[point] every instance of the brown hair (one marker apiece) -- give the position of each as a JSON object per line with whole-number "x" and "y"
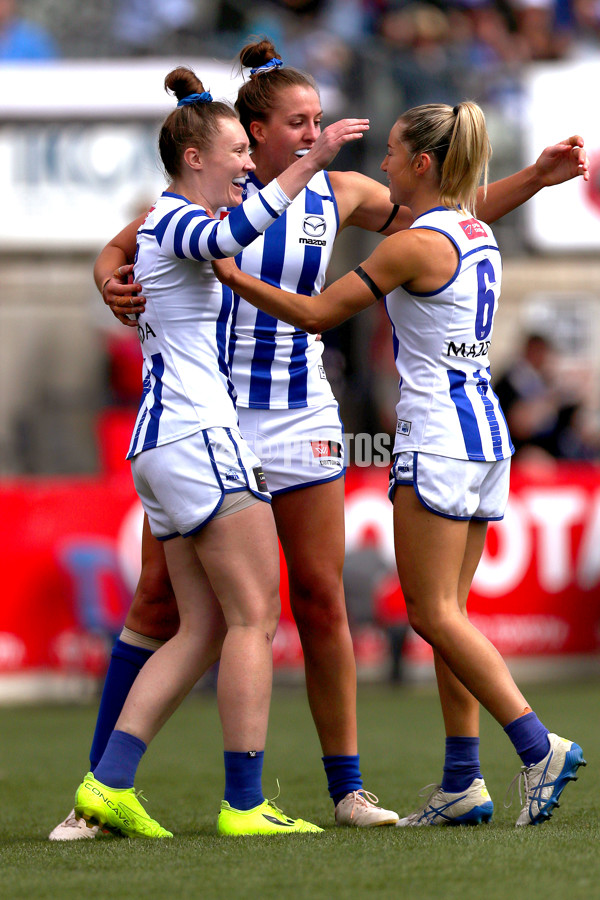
{"x": 457, "y": 138}
{"x": 258, "y": 96}
{"x": 193, "y": 125}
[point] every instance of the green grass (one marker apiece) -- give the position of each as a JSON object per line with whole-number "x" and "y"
{"x": 43, "y": 753}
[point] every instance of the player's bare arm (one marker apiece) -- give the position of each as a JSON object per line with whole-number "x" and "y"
{"x": 315, "y": 314}
{"x": 364, "y": 202}
{"x": 555, "y": 164}
{"x": 111, "y": 272}
{"x": 398, "y": 259}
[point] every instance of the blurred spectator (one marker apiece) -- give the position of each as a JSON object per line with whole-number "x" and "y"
{"x": 302, "y": 30}
{"x": 417, "y": 38}
{"x": 586, "y": 29}
{"x": 544, "y": 416}
{"x": 537, "y": 26}
{"x": 21, "y": 39}
{"x": 143, "y": 26}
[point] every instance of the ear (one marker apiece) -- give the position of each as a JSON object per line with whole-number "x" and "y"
{"x": 193, "y": 158}
{"x": 258, "y": 133}
{"x": 422, "y": 163}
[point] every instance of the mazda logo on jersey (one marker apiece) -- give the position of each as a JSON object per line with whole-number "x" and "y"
{"x": 314, "y": 226}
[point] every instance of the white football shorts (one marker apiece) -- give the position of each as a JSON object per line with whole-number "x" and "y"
{"x": 298, "y": 447}
{"x": 454, "y": 488}
{"x": 183, "y": 484}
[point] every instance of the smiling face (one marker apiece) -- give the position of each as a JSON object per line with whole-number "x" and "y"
{"x": 225, "y": 165}
{"x": 292, "y": 126}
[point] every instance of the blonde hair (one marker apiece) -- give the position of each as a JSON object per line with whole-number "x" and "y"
{"x": 458, "y": 140}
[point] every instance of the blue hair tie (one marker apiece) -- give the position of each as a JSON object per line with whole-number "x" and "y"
{"x": 204, "y": 97}
{"x": 272, "y": 64}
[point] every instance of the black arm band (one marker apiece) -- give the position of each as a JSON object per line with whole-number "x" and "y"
{"x": 369, "y": 282}
{"x": 393, "y": 215}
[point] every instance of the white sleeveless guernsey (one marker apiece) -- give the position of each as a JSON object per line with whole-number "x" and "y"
{"x": 274, "y": 365}
{"x": 441, "y": 342}
{"x": 185, "y": 327}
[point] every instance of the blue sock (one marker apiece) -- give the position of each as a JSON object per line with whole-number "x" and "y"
{"x": 461, "y": 765}
{"x": 125, "y": 663}
{"x": 529, "y": 737}
{"x": 120, "y": 760}
{"x": 243, "y": 778}
{"x": 343, "y": 776}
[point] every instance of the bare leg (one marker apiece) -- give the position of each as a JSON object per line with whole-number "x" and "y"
{"x": 172, "y": 671}
{"x": 153, "y": 611}
{"x": 460, "y": 709}
{"x": 310, "y": 524}
{"x": 430, "y": 551}
{"x": 245, "y": 616}
{"x": 246, "y": 580}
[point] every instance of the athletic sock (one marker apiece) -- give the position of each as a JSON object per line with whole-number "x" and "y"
{"x": 461, "y": 764}
{"x": 343, "y": 776}
{"x": 529, "y": 737}
{"x": 243, "y": 778}
{"x": 125, "y": 663}
{"x": 120, "y": 760}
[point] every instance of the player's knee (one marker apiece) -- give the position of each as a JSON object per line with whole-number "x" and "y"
{"x": 318, "y": 603}
{"x": 428, "y": 624}
{"x": 154, "y": 608}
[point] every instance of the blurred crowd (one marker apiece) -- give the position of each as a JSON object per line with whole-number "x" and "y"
{"x": 429, "y": 44}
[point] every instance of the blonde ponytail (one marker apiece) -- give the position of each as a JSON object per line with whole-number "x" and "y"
{"x": 458, "y": 140}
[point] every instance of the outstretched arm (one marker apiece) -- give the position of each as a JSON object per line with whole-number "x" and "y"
{"x": 343, "y": 299}
{"x": 556, "y": 164}
{"x": 397, "y": 259}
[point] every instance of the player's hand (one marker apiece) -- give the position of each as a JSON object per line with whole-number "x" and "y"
{"x": 225, "y": 269}
{"x": 123, "y": 299}
{"x": 332, "y": 139}
{"x": 562, "y": 162}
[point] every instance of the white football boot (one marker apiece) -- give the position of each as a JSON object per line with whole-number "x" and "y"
{"x": 544, "y": 782}
{"x": 358, "y": 809}
{"x": 73, "y": 829}
{"x": 470, "y": 807}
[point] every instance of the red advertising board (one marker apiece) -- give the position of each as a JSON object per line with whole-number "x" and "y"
{"x": 536, "y": 592}
{"x": 70, "y": 558}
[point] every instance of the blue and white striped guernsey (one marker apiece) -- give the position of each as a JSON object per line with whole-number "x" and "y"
{"x": 274, "y": 365}
{"x": 441, "y": 342}
{"x": 185, "y": 327}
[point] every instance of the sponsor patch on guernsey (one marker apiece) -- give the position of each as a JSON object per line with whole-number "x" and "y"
{"x": 473, "y": 229}
{"x": 403, "y": 427}
{"x": 329, "y": 453}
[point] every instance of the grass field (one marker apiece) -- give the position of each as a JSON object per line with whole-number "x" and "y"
{"x": 43, "y": 754}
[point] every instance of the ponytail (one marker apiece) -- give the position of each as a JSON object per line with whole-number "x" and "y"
{"x": 458, "y": 140}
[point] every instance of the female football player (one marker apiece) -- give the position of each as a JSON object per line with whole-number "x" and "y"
{"x": 199, "y": 482}
{"x": 450, "y": 477}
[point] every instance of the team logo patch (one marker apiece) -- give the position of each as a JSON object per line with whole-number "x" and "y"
{"x": 403, "y": 427}
{"x": 473, "y": 229}
{"x": 261, "y": 481}
{"x": 329, "y": 453}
